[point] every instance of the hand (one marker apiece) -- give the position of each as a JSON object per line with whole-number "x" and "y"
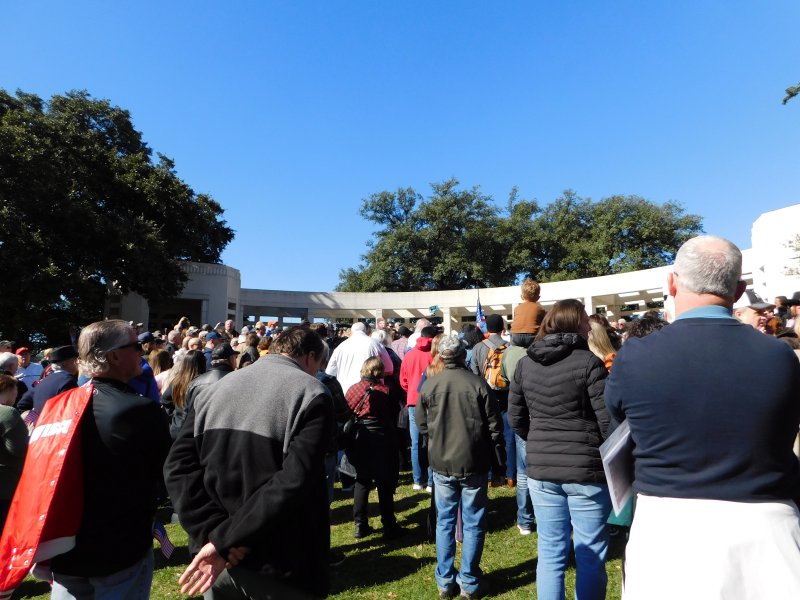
{"x": 202, "y": 572}
{"x": 235, "y": 556}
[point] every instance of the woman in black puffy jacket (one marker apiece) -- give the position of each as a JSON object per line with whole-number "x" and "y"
{"x": 556, "y": 405}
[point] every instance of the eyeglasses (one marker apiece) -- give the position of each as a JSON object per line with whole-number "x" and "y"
{"x": 136, "y": 345}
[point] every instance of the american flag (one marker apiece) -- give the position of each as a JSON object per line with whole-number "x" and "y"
{"x": 480, "y": 318}
{"x": 160, "y": 533}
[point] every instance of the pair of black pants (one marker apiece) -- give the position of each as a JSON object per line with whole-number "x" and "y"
{"x": 238, "y": 583}
{"x": 385, "y": 502}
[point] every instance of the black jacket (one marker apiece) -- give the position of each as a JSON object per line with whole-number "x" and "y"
{"x": 556, "y": 404}
{"x": 125, "y": 442}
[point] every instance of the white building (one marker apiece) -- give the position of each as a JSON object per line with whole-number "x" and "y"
{"x": 213, "y": 292}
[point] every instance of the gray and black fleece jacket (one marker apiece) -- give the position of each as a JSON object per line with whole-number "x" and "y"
{"x": 247, "y": 469}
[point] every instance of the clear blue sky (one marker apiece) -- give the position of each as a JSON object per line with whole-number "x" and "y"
{"x": 290, "y": 113}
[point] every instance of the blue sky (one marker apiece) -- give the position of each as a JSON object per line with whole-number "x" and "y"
{"x": 290, "y": 113}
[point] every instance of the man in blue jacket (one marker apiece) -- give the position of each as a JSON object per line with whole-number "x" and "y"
{"x": 713, "y": 410}
{"x": 62, "y": 375}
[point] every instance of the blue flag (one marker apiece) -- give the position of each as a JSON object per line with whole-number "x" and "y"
{"x": 480, "y": 318}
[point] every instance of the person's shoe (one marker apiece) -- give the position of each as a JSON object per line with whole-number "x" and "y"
{"x": 335, "y": 558}
{"x": 511, "y": 483}
{"x": 362, "y": 531}
{"x": 524, "y": 530}
{"x": 416, "y": 486}
{"x": 394, "y": 532}
{"x": 483, "y": 589}
{"x": 451, "y": 591}
{"x": 429, "y": 489}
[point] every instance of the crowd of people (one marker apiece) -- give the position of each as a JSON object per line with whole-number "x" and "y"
{"x": 247, "y": 433}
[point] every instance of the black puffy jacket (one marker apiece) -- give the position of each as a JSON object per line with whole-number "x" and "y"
{"x": 556, "y": 404}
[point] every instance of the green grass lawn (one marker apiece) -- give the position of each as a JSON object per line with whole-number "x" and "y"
{"x": 403, "y": 568}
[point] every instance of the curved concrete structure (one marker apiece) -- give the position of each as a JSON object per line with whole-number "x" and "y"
{"x": 213, "y": 293}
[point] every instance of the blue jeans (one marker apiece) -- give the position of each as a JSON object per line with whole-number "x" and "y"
{"x": 471, "y": 491}
{"x": 524, "y": 504}
{"x": 582, "y": 509}
{"x": 132, "y": 583}
{"x": 511, "y": 453}
{"x": 416, "y": 469}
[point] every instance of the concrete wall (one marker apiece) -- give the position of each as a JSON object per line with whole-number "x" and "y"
{"x": 776, "y": 264}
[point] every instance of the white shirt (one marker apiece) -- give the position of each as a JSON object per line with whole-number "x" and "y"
{"x": 348, "y": 358}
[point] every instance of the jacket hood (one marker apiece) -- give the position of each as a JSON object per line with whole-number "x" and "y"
{"x": 424, "y": 344}
{"x": 556, "y": 346}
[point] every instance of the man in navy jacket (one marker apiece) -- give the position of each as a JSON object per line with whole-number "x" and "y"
{"x": 713, "y": 410}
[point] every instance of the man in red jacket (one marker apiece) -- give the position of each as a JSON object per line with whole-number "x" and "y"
{"x": 414, "y": 364}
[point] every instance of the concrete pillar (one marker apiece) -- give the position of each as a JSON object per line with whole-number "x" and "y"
{"x": 588, "y": 301}
{"x": 447, "y": 323}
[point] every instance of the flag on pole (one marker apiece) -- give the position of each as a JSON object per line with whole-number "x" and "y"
{"x": 480, "y": 318}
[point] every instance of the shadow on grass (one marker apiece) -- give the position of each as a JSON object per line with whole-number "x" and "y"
{"x": 344, "y": 513}
{"x": 29, "y": 589}
{"x": 180, "y": 556}
{"x": 380, "y": 569}
{"x": 512, "y": 578}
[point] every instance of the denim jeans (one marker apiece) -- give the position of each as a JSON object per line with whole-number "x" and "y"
{"x": 471, "y": 491}
{"x": 416, "y": 469}
{"x": 524, "y": 504}
{"x": 582, "y": 509}
{"x": 511, "y": 452}
{"x": 132, "y": 583}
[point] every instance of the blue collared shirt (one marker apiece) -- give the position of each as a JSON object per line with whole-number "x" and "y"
{"x": 707, "y": 312}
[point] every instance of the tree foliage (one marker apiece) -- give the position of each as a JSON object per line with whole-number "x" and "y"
{"x": 459, "y": 239}
{"x": 83, "y": 206}
{"x": 791, "y": 92}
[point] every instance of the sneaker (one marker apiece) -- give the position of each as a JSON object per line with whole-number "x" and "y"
{"x": 335, "y": 558}
{"x": 451, "y": 591}
{"x": 416, "y": 486}
{"x": 511, "y": 483}
{"x": 429, "y": 489}
{"x": 524, "y": 530}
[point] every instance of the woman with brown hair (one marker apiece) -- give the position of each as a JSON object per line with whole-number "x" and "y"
{"x": 173, "y": 399}
{"x": 556, "y": 404}
{"x": 374, "y": 451}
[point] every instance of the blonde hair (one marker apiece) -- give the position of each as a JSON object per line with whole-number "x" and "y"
{"x": 372, "y": 368}
{"x": 437, "y": 364}
{"x": 530, "y": 290}
{"x": 599, "y": 342}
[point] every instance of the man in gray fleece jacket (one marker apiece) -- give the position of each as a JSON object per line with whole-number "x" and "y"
{"x": 246, "y": 476}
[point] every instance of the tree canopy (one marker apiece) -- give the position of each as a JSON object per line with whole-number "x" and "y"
{"x": 84, "y": 207}
{"x": 459, "y": 238}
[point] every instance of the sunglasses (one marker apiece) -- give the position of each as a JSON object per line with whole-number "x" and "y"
{"x": 136, "y": 345}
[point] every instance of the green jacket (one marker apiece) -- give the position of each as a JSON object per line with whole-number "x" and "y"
{"x": 459, "y": 413}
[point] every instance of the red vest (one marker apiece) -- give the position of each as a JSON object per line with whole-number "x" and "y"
{"x": 46, "y": 510}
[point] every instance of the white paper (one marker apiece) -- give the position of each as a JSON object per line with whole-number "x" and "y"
{"x": 617, "y": 455}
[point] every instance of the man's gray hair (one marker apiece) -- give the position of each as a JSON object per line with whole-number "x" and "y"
{"x": 9, "y": 362}
{"x": 379, "y": 335}
{"x": 421, "y": 324}
{"x": 708, "y": 264}
{"x": 359, "y": 326}
{"x": 97, "y": 340}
